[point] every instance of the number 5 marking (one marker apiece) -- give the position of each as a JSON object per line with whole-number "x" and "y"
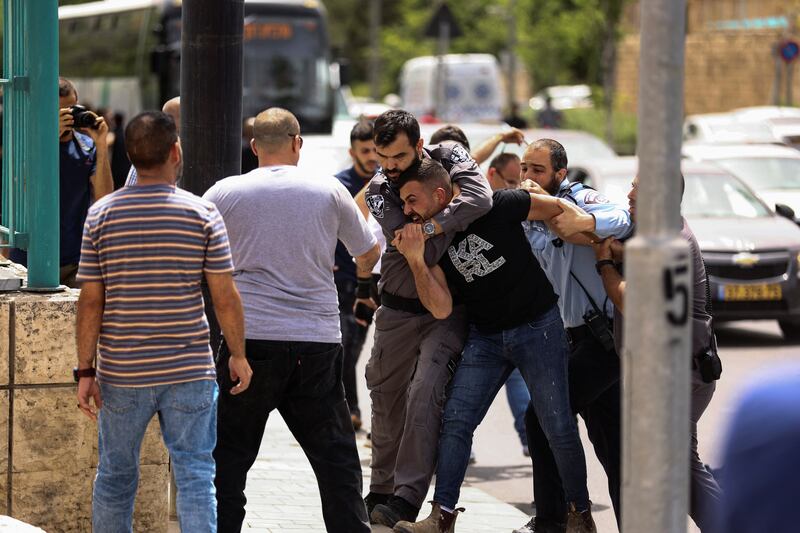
{"x": 672, "y": 290}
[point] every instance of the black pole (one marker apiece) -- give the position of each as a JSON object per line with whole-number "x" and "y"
{"x": 211, "y": 91}
{"x": 211, "y": 101}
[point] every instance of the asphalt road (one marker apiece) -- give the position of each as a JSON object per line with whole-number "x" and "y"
{"x": 502, "y": 471}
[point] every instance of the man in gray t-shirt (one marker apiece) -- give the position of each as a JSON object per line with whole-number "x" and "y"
{"x": 283, "y": 227}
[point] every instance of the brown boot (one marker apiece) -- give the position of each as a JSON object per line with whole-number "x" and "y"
{"x": 580, "y": 521}
{"x": 438, "y": 522}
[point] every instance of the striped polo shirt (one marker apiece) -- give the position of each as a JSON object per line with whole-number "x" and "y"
{"x": 150, "y": 246}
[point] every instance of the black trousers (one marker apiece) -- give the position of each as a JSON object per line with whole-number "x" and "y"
{"x": 353, "y": 337}
{"x": 595, "y": 393}
{"x": 303, "y": 381}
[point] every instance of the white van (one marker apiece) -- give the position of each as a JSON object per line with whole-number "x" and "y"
{"x": 473, "y": 88}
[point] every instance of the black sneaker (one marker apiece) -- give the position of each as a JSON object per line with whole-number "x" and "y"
{"x": 395, "y": 510}
{"x": 541, "y": 526}
{"x": 374, "y": 498}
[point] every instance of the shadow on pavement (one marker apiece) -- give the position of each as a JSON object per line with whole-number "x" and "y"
{"x": 477, "y": 473}
{"x": 729, "y": 335}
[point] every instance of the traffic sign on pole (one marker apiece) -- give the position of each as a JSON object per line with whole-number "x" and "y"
{"x": 789, "y": 50}
{"x": 443, "y": 17}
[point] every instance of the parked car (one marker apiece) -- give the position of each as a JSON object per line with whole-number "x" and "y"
{"x": 773, "y": 172}
{"x": 752, "y": 254}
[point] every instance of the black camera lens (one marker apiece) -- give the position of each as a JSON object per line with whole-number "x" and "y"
{"x": 83, "y": 118}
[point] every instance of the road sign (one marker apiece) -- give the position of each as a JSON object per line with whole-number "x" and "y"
{"x": 789, "y": 50}
{"x": 443, "y": 16}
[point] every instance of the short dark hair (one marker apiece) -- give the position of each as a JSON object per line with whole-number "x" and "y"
{"x": 558, "y": 155}
{"x": 362, "y": 131}
{"x": 149, "y": 137}
{"x": 502, "y": 159}
{"x": 66, "y": 88}
{"x": 450, "y": 133}
{"x": 390, "y": 124}
{"x": 430, "y": 173}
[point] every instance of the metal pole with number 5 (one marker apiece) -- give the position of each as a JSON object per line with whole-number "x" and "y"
{"x": 658, "y": 294}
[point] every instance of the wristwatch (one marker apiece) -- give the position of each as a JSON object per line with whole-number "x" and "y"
{"x": 428, "y": 229}
{"x": 78, "y": 373}
{"x": 603, "y": 262}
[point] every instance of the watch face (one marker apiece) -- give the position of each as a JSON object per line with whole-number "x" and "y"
{"x": 428, "y": 228}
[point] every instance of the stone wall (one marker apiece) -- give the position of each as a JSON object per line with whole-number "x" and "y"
{"x": 724, "y": 70}
{"x": 48, "y": 449}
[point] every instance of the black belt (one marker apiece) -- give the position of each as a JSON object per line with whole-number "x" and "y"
{"x": 398, "y": 303}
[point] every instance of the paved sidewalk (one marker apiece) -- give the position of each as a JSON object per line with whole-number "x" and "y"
{"x": 282, "y": 492}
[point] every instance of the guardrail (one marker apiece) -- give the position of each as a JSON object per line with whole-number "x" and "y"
{"x": 30, "y": 217}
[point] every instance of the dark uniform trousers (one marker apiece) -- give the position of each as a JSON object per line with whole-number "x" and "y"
{"x": 594, "y": 393}
{"x": 413, "y": 359}
{"x": 303, "y": 381}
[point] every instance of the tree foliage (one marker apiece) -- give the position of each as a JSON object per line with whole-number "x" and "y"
{"x": 559, "y": 41}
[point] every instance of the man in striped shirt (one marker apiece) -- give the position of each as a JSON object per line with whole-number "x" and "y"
{"x": 145, "y": 251}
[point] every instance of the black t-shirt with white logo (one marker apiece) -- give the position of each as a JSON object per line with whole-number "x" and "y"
{"x": 491, "y": 268}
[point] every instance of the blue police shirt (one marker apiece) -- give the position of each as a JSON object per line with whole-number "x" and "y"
{"x": 612, "y": 220}
{"x": 346, "y": 268}
{"x": 78, "y": 162}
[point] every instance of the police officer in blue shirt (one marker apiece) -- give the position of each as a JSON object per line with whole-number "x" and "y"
{"x": 594, "y": 367}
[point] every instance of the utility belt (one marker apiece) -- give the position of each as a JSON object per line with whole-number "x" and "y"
{"x": 597, "y": 327}
{"x": 399, "y": 303}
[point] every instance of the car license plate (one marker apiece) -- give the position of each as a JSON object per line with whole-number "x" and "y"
{"x": 760, "y": 291}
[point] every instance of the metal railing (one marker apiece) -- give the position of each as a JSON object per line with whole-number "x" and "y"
{"x": 30, "y": 219}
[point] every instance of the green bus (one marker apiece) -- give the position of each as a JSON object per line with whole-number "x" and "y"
{"x": 125, "y": 55}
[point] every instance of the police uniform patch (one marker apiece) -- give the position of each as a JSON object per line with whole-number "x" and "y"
{"x": 375, "y": 204}
{"x": 593, "y": 197}
{"x": 459, "y": 154}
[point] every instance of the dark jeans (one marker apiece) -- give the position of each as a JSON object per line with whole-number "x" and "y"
{"x": 594, "y": 392}
{"x": 353, "y": 337}
{"x": 539, "y": 350}
{"x": 303, "y": 381}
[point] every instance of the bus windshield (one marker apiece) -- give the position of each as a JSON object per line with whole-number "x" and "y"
{"x": 285, "y": 65}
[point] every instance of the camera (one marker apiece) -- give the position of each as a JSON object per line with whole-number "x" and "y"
{"x": 600, "y": 327}
{"x": 83, "y": 118}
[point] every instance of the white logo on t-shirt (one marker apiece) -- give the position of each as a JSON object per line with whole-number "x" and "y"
{"x": 472, "y": 263}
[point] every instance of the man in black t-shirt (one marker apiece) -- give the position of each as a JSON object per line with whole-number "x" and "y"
{"x": 514, "y": 323}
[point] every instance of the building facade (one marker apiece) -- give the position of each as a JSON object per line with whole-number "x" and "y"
{"x": 731, "y": 58}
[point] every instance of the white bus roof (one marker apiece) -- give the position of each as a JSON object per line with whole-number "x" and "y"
{"x": 107, "y": 7}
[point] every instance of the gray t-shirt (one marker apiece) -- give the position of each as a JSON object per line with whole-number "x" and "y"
{"x": 283, "y": 226}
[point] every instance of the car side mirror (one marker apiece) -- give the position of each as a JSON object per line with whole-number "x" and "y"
{"x": 785, "y": 211}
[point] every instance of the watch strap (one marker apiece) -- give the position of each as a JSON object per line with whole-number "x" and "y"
{"x": 78, "y": 373}
{"x": 603, "y": 262}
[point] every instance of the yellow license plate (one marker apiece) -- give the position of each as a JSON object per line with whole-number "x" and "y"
{"x": 762, "y": 291}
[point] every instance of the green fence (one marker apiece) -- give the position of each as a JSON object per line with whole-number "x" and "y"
{"x": 30, "y": 205}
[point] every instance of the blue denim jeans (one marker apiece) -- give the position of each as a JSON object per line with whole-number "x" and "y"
{"x": 518, "y": 400}
{"x": 187, "y": 413}
{"x": 539, "y": 350}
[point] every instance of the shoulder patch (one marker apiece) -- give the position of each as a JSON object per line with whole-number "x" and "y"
{"x": 459, "y": 154}
{"x": 594, "y": 197}
{"x": 375, "y": 204}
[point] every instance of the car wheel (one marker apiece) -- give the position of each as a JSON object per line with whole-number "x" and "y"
{"x": 790, "y": 329}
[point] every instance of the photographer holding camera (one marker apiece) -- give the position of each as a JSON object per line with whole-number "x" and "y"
{"x": 84, "y": 176}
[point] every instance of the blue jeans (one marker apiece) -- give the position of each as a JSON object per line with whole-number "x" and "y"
{"x": 539, "y": 350}
{"x": 187, "y": 413}
{"x": 518, "y": 400}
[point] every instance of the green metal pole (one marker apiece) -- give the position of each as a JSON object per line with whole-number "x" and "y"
{"x": 41, "y": 47}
